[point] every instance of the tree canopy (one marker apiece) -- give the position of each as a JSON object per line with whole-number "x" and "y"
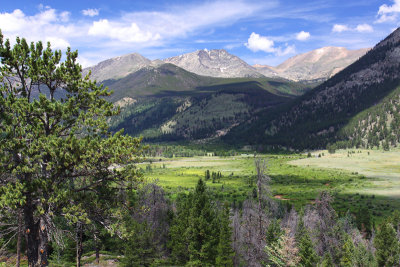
{"x": 55, "y": 147}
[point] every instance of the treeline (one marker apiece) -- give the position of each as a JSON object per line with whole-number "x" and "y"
{"x": 170, "y": 151}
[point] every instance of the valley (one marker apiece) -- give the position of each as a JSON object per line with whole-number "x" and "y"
{"x": 172, "y": 154}
{"x": 365, "y": 176}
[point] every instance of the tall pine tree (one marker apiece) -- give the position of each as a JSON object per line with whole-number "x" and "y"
{"x": 55, "y": 144}
{"x": 386, "y": 245}
{"x": 225, "y": 250}
{"x": 203, "y": 230}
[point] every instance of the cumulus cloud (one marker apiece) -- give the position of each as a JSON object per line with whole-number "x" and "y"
{"x": 131, "y": 33}
{"x": 303, "y": 36}
{"x": 359, "y": 28}
{"x": 340, "y": 28}
{"x": 57, "y": 43}
{"x": 364, "y": 28}
{"x": 46, "y": 25}
{"x": 90, "y": 12}
{"x": 131, "y": 30}
{"x": 388, "y": 13}
{"x": 257, "y": 43}
{"x": 260, "y": 43}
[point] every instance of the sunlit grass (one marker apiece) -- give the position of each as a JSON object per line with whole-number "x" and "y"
{"x": 296, "y": 179}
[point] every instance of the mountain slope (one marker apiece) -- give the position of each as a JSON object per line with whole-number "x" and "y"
{"x": 151, "y": 81}
{"x": 214, "y": 63}
{"x": 319, "y": 64}
{"x": 317, "y": 117}
{"x": 171, "y": 80}
{"x": 118, "y": 67}
{"x": 167, "y": 103}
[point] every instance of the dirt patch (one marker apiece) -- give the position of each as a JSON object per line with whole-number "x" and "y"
{"x": 280, "y": 197}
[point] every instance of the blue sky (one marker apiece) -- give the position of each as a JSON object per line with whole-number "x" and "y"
{"x": 259, "y": 32}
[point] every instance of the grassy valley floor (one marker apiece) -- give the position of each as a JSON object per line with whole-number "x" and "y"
{"x": 382, "y": 168}
{"x": 360, "y": 180}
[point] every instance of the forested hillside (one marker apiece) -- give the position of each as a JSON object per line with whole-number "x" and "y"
{"x": 167, "y": 103}
{"x": 316, "y": 118}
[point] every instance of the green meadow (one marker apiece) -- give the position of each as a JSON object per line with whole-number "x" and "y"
{"x": 295, "y": 179}
{"x": 381, "y": 168}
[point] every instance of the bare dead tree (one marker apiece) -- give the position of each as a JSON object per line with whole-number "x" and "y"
{"x": 325, "y": 229}
{"x": 152, "y": 208}
{"x": 291, "y": 221}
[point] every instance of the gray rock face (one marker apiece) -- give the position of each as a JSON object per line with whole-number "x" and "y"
{"x": 319, "y": 64}
{"x": 119, "y": 67}
{"x": 214, "y": 63}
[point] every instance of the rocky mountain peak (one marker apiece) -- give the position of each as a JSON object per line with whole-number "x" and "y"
{"x": 118, "y": 67}
{"x": 214, "y": 63}
{"x": 318, "y": 64}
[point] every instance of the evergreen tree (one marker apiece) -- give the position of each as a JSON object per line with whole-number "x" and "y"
{"x": 363, "y": 256}
{"x": 203, "y": 234}
{"x": 308, "y": 256}
{"x": 139, "y": 248}
{"x": 395, "y": 219}
{"x": 284, "y": 251}
{"x": 386, "y": 245}
{"x": 327, "y": 261}
{"x": 55, "y": 141}
{"x": 178, "y": 231}
{"x": 364, "y": 221}
{"x": 274, "y": 231}
{"x": 207, "y": 175}
{"x": 225, "y": 250}
{"x": 347, "y": 253}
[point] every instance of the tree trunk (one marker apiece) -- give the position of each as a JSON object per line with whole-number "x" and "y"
{"x": 97, "y": 248}
{"x": 43, "y": 243}
{"x": 79, "y": 247}
{"x": 19, "y": 238}
{"x": 31, "y": 233}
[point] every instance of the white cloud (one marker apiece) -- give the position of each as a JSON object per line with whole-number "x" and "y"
{"x": 288, "y": 50}
{"x": 131, "y": 33}
{"x": 388, "y": 13}
{"x": 364, "y": 28}
{"x": 260, "y": 43}
{"x": 340, "y": 28}
{"x": 359, "y": 28}
{"x": 91, "y": 12}
{"x": 12, "y": 22}
{"x": 57, "y": 43}
{"x": 64, "y": 16}
{"x": 158, "y": 27}
{"x": 184, "y": 20}
{"x": 257, "y": 43}
{"x": 302, "y": 36}
{"x": 232, "y": 46}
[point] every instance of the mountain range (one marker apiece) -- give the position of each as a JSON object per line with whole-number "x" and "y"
{"x": 213, "y": 95}
{"x": 314, "y": 66}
